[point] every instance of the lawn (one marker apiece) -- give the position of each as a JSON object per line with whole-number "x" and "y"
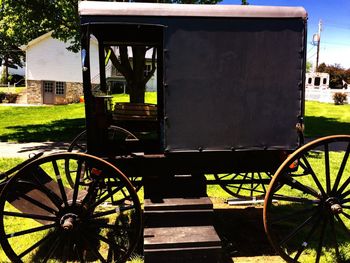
{"x": 323, "y": 119}
{"x": 59, "y": 123}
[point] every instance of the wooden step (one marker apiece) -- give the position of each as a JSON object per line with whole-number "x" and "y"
{"x": 196, "y": 211}
{"x": 182, "y": 244}
{"x": 172, "y": 186}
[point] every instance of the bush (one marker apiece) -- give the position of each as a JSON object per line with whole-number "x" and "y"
{"x": 10, "y": 97}
{"x": 2, "y": 96}
{"x": 339, "y": 98}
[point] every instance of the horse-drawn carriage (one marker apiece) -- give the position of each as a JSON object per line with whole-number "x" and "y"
{"x": 228, "y": 110}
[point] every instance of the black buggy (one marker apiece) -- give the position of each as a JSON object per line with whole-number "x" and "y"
{"x": 228, "y": 111}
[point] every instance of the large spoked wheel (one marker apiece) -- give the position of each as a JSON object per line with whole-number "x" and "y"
{"x": 115, "y": 134}
{"x": 248, "y": 185}
{"x": 42, "y": 217}
{"x": 307, "y": 209}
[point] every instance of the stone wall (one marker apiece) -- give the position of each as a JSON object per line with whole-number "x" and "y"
{"x": 34, "y": 92}
{"x": 74, "y": 90}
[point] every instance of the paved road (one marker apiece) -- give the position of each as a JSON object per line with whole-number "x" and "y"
{"x": 23, "y": 150}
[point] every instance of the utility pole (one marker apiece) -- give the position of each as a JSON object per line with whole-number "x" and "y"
{"x": 318, "y": 41}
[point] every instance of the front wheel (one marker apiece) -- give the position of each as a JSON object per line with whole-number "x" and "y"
{"x": 307, "y": 210}
{"x": 43, "y": 217}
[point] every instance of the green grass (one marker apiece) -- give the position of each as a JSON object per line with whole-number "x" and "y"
{"x": 41, "y": 123}
{"x": 48, "y": 123}
{"x": 323, "y": 119}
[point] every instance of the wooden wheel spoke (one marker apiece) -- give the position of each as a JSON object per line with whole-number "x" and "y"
{"x": 35, "y": 202}
{"x": 263, "y": 186}
{"x": 345, "y": 194}
{"x": 245, "y": 188}
{"x": 334, "y": 237}
{"x": 305, "y": 242}
{"x": 113, "y": 227}
{"x": 313, "y": 175}
{"x": 37, "y": 244}
{"x": 48, "y": 192}
{"x": 341, "y": 223}
{"x": 344, "y": 201}
{"x": 104, "y": 198}
{"x": 111, "y": 244}
{"x": 30, "y": 231}
{"x": 346, "y": 215}
{"x": 93, "y": 249}
{"x": 296, "y": 199}
{"x": 295, "y": 184}
{"x": 340, "y": 172}
{"x": 60, "y": 183}
{"x": 327, "y": 168}
{"x": 320, "y": 244}
{"x": 298, "y": 228}
{"x": 31, "y": 216}
{"x": 295, "y": 214}
{"x": 112, "y": 211}
{"x": 76, "y": 183}
{"x": 55, "y": 243}
{"x": 344, "y": 186}
{"x": 240, "y": 187}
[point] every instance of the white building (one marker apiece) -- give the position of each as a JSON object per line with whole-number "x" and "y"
{"x": 54, "y": 74}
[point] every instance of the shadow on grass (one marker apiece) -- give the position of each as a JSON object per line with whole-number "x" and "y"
{"x": 322, "y": 126}
{"x": 64, "y": 130}
{"x": 242, "y": 232}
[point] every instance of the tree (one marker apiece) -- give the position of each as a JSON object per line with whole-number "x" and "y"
{"x": 308, "y": 66}
{"x": 22, "y": 21}
{"x": 336, "y": 74}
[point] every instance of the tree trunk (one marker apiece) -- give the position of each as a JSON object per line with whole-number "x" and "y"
{"x": 137, "y": 85}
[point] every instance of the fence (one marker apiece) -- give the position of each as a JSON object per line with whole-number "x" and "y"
{"x": 324, "y": 95}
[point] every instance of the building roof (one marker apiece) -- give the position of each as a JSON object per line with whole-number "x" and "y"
{"x": 36, "y": 40}
{"x": 87, "y": 8}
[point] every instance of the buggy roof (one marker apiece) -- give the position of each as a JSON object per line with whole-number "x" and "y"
{"x": 96, "y": 8}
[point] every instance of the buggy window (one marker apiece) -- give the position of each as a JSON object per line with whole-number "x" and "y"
{"x": 317, "y": 81}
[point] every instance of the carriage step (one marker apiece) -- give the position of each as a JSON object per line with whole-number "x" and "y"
{"x": 178, "y": 212}
{"x": 173, "y": 186}
{"x": 181, "y": 244}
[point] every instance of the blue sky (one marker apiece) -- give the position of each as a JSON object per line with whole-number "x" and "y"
{"x": 335, "y": 36}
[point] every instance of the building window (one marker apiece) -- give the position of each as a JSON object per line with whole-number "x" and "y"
{"x": 324, "y": 81}
{"x": 59, "y": 88}
{"x": 309, "y": 81}
{"x": 48, "y": 87}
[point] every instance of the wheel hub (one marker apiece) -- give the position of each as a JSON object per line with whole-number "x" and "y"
{"x": 69, "y": 221}
{"x": 334, "y": 205}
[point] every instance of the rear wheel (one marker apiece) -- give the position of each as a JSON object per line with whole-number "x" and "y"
{"x": 307, "y": 210}
{"x": 43, "y": 217}
{"x": 248, "y": 185}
